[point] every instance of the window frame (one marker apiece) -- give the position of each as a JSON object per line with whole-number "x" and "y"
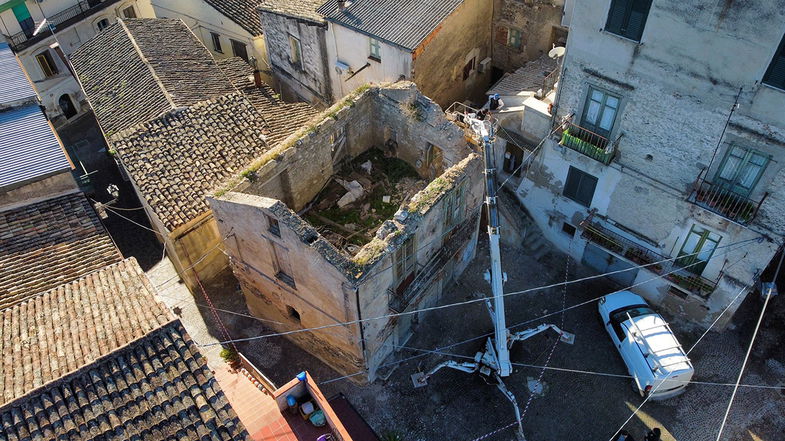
{"x": 512, "y": 39}
{"x": 733, "y": 184}
{"x": 235, "y": 44}
{"x": 471, "y": 64}
{"x": 688, "y": 260}
{"x": 129, "y": 8}
{"x": 47, "y": 57}
{"x": 375, "y": 49}
{"x": 595, "y": 127}
{"x": 296, "y": 52}
{"x": 405, "y": 260}
{"x": 777, "y": 60}
{"x": 629, "y": 7}
{"x": 216, "y": 40}
{"x": 581, "y": 175}
{"x": 101, "y": 20}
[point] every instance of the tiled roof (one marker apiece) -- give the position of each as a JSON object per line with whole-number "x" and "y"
{"x": 29, "y": 150}
{"x": 242, "y": 12}
{"x": 305, "y": 9}
{"x": 405, "y": 23}
{"x": 527, "y": 78}
{"x": 176, "y": 159}
{"x": 48, "y": 243}
{"x": 130, "y": 76}
{"x": 155, "y": 388}
{"x": 65, "y": 328}
{"x": 15, "y": 88}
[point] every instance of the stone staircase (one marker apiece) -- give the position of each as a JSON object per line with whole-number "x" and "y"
{"x": 520, "y": 222}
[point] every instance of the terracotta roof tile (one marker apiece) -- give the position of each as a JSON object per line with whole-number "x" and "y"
{"x": 157, "y": 387}
{"x": 242, "y": 12}
{"x": 306, "y": 9}
{"x": 48, "y": 243}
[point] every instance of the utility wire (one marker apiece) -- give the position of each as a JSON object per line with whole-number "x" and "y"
{"x": 482, "y": 299}
{"x": 749, "y": 348}
{"x": 526, "y": 322}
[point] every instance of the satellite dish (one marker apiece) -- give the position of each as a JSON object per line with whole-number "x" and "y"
{"x": 556, "y": 52}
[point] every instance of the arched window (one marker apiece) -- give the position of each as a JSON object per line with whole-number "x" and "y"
{"x": 67, "y": 106}
{"x": 102, "y": 24}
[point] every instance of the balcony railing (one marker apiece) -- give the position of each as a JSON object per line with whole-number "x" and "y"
{"x": 725, "y": 202}
{"x": 549, "y": 83}
{"x": 585, "y": 141}
{"x": 59, "y": 21}
{"x": 670, "y": 269}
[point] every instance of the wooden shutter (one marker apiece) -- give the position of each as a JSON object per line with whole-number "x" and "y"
{"x": 775, "y": 75}
{"x": 616, "y": 16}
{"x": 501, "y": 35}
{"x": 639, "y": 11}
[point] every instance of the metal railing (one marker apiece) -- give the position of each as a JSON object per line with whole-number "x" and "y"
{"x": 549, "y": 83}
{"x": 634, "y": 252}
{"x": 425, "y": 276}
{"x": 62, "y": 19}
{"x": 719, "y": 199}
{"x": 588, "y": 143}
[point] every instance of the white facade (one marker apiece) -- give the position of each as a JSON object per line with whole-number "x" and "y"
{"x": 667, "y": 101}
{"x": 217, "y": 32}
{"x": 55, "y": 82}
{"x": 346, "y": 47}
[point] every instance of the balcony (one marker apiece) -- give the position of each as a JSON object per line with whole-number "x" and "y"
{"x": 675, "y": 271}
{"x": 588, "y": 143}
{"x": 725, "y": 202}
{"x": 59, "y": 21}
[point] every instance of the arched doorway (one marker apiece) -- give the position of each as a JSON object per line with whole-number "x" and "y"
{"x": 67, "y": 106}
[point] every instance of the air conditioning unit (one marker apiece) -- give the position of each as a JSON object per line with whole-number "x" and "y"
{"x": 484, "y": 64}
{"x": 341, "y": 67}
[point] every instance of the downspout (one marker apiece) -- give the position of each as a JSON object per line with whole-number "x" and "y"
{"x": 362, "y": 329}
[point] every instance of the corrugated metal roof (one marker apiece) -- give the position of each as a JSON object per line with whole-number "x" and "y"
{"x": 28, "y": 147}
{"x": 13, "y": 82}
{"x": 405, "y": 23}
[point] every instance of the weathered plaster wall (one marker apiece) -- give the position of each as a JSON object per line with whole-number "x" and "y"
{"x": 677, "y": 88}
{"x": 539, "y": 22}
{"x": 43, "y": 188}
{"x": 353, "y": 48}
{"x": 440, "y": 59}
{"x": 308, "y": 80}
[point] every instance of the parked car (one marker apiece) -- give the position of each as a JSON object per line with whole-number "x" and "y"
{"x": 647, "y": 345}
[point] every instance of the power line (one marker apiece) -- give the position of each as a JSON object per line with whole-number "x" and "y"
{"x": 526, "y": 322}
{"x": 466, "y": 302}
{"x": 749, "y": 348}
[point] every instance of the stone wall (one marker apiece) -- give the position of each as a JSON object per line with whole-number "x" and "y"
{"x": 292, "y": 275}
{"x": 676, "y": 97}
{"x": 41, "y": 189}
{"x": 539, "y": 22}
{"x": 309, "y": 80}
{"x": 440, "y": 59}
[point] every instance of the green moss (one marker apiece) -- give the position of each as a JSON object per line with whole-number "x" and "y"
{"x": 370, "y": 251}
{"x": 426, "y": 197}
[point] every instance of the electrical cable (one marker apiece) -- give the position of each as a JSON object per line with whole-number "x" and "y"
{"x": 749, "y": 348}
{"x": 538, "y": 318}
{"x": 115, "y": 207}
{"x": 482, "y": 299}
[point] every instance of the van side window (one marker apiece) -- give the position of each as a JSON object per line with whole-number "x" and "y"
{"x": 616, "y": 320}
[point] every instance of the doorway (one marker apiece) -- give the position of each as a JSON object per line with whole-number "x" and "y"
{"x": 67, "y": 106}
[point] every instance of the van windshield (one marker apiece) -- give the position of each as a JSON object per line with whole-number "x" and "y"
{"x": 620, "y": 315}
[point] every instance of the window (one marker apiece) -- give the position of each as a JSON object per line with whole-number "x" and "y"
{"x": 599, "y": 112}
{"x": 376, "y": 49}
{"x": 469, "y": 68}
{"x": 295, "y": 51}
{"x": 775, "y": 74}
{"x": 67, "y": 106}
{"x": 580, "y": 186}
{"x": 282, "y": 266}
{"x": 47, "y": 64}
{"x": 24, "y": 19}
{"x": 627, "y": 18}
{"x": 514, "y": 38}
{"x": 102, "y": 24}
{"x": 405, "y": 260}
{"x": 216, "y": 42}
{"x": 433, "y": 156}
{"x": 453, "y": 206}
{"x": 568, "y": 229}
{"x": 239, "y": 50}
{"x": 293, "y": 313}
{"x": 272, "y": 226}
{"x": 129, "y": 12}
{"x": 741, "y": 170}
{"x": 698, "y": 249}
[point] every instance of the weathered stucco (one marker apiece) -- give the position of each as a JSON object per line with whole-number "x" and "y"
{"x": 325, "y": 285}
{"x": 677, "y": 88}
{"x": 539, "y": 22}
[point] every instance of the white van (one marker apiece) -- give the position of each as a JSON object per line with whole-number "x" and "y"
{"x": 647, "y": 345}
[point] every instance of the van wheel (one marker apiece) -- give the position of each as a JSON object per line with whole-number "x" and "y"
{"x": 635, "y": 388}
